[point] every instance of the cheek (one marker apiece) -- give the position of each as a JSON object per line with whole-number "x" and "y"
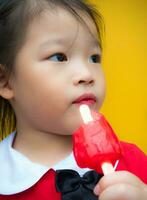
{"x": 102, "y": 90}
{"x": 101, "y": 83}
{"x": 35, "y": 90}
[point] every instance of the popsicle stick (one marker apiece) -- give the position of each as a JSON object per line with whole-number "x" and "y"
{"x": 107, "y": 168}
{"x": 85, "y": 113}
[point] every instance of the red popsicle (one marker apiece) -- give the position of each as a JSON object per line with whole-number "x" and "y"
{"x": 95, "y": 144}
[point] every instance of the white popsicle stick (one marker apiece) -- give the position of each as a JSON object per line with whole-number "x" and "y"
{"x": 86, "y": 114}
{"x": 107, "y": 167}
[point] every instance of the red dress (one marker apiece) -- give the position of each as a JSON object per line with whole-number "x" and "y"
{"x": 133, "y": 160}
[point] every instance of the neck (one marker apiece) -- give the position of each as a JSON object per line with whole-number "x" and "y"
{"x": 43, "y": 148}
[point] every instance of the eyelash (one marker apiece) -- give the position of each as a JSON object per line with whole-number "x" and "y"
{"x": 63, "y": 58}
{"x": 60, "y": 56}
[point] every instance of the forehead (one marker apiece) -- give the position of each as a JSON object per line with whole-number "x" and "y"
{"x": 60, "y": 23}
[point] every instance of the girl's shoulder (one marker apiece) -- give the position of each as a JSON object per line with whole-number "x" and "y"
{"x": 133, "y": 160}
{"x": 14, "y": 167}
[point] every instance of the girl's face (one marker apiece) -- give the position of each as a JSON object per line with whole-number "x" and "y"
{"x": 58, "y": 63}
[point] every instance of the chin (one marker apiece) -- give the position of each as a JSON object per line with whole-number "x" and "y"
{"x": 71, "y": 127}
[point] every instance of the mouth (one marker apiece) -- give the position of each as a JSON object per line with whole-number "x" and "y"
{"x": 88, "y": 99}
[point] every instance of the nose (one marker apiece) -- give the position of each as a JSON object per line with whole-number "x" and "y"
{"x": 84, "y": 75}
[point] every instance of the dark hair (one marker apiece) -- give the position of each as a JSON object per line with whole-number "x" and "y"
{"x": 14, "y": 18}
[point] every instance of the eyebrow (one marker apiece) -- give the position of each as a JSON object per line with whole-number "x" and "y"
{"x": 62, "y": 41}
{"x": 59, "y": 41}
{"x": 96, "y": 43}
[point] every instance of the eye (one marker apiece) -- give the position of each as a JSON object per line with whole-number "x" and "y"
{"x": 96, "y": 58}
{"x": 58, "y": 57}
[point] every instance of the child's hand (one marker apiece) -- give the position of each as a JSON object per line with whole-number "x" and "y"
{"x": 121, "y": 185}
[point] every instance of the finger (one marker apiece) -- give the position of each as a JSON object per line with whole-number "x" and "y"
{"x": 122, "y": 192}
{"x": 116, "y": 178}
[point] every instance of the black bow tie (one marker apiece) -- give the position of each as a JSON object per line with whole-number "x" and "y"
{"x": 74, "y": 187}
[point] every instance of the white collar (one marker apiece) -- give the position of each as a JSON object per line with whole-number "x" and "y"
{"x": 18, "y": 173}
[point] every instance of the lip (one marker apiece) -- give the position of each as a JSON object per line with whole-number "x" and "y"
{"x": 87, "y": 98}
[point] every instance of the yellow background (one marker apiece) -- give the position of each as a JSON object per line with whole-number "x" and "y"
{"x": 125, "y": 66}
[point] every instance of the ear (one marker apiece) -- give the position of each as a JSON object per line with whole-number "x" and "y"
{"x": 5, "y": 87}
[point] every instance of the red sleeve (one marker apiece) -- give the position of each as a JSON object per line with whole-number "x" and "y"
{"x": 133, "y": 160}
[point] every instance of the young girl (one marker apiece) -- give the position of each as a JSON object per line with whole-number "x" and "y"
{"x": 50, "y": 61}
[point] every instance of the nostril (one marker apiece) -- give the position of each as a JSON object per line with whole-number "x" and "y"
{"x": 81, "y": 81}
{"x": 86, "y": 82}
{"x": 92, "y": 81}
